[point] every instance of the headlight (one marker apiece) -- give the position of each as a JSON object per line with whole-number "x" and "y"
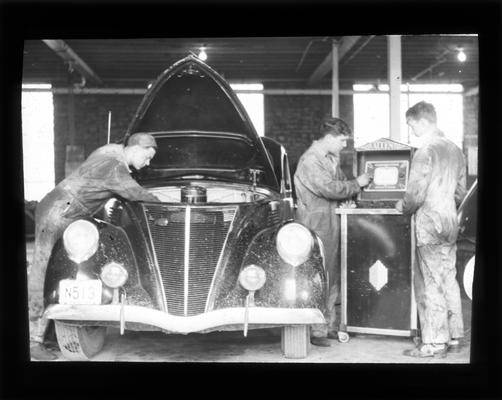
{"x": 114, "y": 275}
{"x": 294, "y": 243}
{"x": 81, "y": 240}
{"x": 252, "y": 277}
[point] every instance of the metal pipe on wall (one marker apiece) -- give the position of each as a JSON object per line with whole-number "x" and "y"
{"x": 273, "y": 92}
{"x": 134, "y": 91}
{"x": 394, "y": 76}
{"x": 335, "y": 101}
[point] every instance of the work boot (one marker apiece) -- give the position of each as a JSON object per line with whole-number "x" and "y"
{"x": 455, "y": 346}
{"x": 427, "y": 350}
{"x": 320, "y": 341}
{"x": 40, "y": 352}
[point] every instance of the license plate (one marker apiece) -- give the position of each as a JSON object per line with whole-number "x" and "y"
{"x": 80, "y": 292}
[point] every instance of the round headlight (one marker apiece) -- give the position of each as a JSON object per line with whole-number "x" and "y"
{"x": 81, "y": 240}
{"x": 252, "y": 277}
{"x": 114, "y": 275}
{"x": 294, "y": 243}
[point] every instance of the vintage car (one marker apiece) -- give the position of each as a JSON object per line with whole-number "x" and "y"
{"x": 221, "y": 251}
{"x": 466, "y": 242}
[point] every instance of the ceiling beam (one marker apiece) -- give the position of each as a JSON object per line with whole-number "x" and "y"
{"x": 440, "y": 60}
{"x": 345, "y": 44}
{"x": 67, "y": 54}
{"x": 472, "y": 91}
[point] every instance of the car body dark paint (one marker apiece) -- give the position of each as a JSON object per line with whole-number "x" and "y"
{"x": 130, "y": 231}
{"x": 114, "y": 245}
{"x": 247, "y": 243}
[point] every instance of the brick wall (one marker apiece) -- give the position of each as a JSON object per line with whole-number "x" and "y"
{"x": 294, "y": 122}
{"x": 91, "y": 123}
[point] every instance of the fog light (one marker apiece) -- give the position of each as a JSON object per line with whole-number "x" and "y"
{"x": 114, "y": 275}
{"x": 252, "y": 277}
{"x": 81, "y": 240}
{"x": 294, "y": 243}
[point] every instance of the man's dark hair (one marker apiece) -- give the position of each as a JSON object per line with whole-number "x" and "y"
{"x": 335, "y": 127}
{"x": 422, "y": 110}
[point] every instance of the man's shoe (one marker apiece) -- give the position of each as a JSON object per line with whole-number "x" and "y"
{"x": 41, "y": 353}
{"x": 427, "y": 350}
{"x": 454, "y": 346}
{"x": 320, "y": 341}
{"x": 332, "y": 335}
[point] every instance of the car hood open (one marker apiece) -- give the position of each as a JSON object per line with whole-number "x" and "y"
{"x": 190, "y": 105}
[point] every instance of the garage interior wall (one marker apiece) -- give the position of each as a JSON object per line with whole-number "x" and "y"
{"x": 293, "y": 120}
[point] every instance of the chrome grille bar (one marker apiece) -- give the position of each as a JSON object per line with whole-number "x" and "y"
{"x": 188, "y": 242}
{"x": 187, "y": 260}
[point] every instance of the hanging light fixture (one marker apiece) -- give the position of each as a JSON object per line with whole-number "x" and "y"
{"x": 461, "y": 55}
{"x": 202, "y": 53}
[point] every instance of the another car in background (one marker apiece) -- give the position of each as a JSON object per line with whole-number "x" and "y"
{"x": 466, "y": 242}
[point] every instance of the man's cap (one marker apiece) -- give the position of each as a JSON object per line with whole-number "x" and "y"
{"x": 142, "y": 139}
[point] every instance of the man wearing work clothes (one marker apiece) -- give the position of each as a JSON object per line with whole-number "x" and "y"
{"x": 105, "y": 174}
{"x": 435, "y": 189}
{"x": 320, "y": 185}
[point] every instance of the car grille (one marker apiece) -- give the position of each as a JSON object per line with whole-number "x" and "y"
{"x": 187, "y": 256}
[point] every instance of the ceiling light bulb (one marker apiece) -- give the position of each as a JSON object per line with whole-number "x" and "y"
{"x": 202, "y": 54}
{"x": 461, "y": 55}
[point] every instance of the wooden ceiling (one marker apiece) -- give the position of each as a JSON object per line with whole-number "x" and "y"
{"x": 275, "y": 61}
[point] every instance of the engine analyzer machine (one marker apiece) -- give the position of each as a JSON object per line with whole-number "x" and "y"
{"x": 377, "y": 249}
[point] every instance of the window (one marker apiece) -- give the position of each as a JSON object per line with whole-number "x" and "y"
{"x": 371, "y": 111}
{"x": 253, "y": 103}
{"x": 38, "y": 141}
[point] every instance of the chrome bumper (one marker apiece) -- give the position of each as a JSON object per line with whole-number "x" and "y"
{"x": 162, "y": 320}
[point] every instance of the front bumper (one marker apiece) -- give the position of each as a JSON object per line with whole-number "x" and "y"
{"x": 197, "y": 323}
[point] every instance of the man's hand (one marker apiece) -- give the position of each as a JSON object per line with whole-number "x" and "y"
{"x": 363, "y": 180}
{"x": 399, "y": 206}
{"x": 348, "y": 204}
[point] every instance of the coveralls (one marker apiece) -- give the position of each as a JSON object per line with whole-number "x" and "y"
{"x": 103, "y": 175}
{"x": 320, "y": 184}
{"x": 436, "y": 186}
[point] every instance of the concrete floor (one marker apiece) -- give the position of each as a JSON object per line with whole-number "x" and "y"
{"x": 263, "y": 345}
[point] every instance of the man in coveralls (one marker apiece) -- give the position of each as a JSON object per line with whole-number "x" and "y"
{"x": 105, "y": 174}
{"x": 320, "y": 185}
{"x": 436, "y": 187}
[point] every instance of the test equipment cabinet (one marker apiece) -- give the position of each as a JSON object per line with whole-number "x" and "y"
{"x": 377, "y": 249}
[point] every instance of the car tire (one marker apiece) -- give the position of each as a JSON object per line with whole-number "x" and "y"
{"x": 295, "y": 341}
{"x": 79, "y": 343}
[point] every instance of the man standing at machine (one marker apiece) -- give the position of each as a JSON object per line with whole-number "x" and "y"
{"x": 320, "y": 185}
{"x": 436, "y": 187}
{"x": 103, "y": 175}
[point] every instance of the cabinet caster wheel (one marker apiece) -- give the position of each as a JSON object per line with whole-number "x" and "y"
{"x": 417, "y": 340}
{"x": 343, "y": 337}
